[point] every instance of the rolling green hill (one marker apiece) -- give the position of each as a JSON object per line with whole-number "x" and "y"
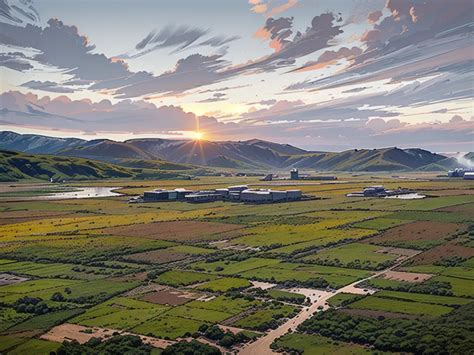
{"x": 16, "y": 166}
{"x": 254, "y": 154}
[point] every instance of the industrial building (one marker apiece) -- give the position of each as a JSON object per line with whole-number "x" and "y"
{"x": 468, "y": 175}
{"x": 165, "y": 195}
{"x": 378, "y": 191}
{"x": 204, "y": 196}
{"x": 264, "y": 195}
{"x": 295, "y": 175}
{"x": 459, "y": 172}
{"x": 232, "y": 193}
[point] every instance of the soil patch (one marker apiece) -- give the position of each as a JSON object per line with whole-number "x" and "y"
{"x": 417, "y": 231}
{"x": 406, "y": 276}
{"x": 170, "y": 297}
{"x": 451, "y": 249}
{"x": 181, "y": 231}
{"x": 161, "y": 256}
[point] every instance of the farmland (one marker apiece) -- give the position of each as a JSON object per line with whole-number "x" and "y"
{"x": 173, "y": 270}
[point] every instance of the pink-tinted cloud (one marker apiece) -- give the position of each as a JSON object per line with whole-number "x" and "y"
{"x": 271, "y": 7}
{"x": 374, "y": 16}
{"x": 329, "y": 58}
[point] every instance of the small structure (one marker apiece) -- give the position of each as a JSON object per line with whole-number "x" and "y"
{"x": 294, "y": 174}
{"x": 165, "y": 195}
{"x": 468, "y": 175}
{"x": 265, "y": 195}
{"x": 268, "y": 177}
{"x": 379, "y": 191}
{"x": 238, "y": 188}
{"x": 204, "y": 196}
{"x": 459, "y": 172}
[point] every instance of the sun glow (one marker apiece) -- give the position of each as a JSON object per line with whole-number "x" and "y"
{"x": 196, "y": 135}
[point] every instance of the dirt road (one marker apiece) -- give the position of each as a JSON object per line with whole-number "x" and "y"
{"x": 262, "y": 345}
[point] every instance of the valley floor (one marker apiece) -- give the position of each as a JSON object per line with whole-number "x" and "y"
{"x": 333, "y": 275}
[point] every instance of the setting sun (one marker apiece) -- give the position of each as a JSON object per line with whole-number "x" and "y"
{"x": 197, "y": 136}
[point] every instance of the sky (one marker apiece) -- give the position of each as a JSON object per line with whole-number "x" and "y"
{"x": 324, "y": 75}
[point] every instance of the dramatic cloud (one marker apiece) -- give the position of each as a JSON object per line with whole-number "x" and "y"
{"x": 15, "y": 61}
{"x": 271, "y": 7}
{"x": 215, "y": 98}
{"x": 19, "y": 12}
{"x": 61, "y": 46}
{"x": 178, "y": 38}
{"x": 84, "y": 115}
{"x": 329, "y": 58}
{"x": 316, "y": 37}
{"x": 189, "y": 73}
{"x": 374, "y": 16}
{"x": 47, "y": 86}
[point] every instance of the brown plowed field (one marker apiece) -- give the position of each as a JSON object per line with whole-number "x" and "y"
{"x": 406, "y": 276}
{"x": 161, "y": 256}
{"x": 422, "y": 230}
{"x": 453, "y": 248}
{"x": 180, "y": 231}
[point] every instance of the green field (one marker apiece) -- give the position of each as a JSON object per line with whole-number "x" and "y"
{"x": 120, "y": 313}
{"x": 355, "y": 255}
{"x": 315, "y": 344}
{"x": 400, "y": 306}
{"x": 86, "y": 263}
{"x": 224, "y": 284}
{"x": 183, "y": 278}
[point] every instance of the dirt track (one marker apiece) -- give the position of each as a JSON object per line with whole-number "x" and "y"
{"x": 262, "y": 345}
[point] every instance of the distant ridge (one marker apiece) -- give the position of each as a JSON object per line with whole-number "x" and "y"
{"x": 250, "y": 154}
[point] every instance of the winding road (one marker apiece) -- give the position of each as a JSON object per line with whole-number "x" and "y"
{"x": 262, "y": 345}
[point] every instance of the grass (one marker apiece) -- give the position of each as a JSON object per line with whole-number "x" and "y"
{"x": 224, "y": 284}
{"x": 400, "y": 306}
{"x": 381, "y": 223}
{"x": 459, "y": 287}
{"x": 9, "y": 317}
{"x": 422, "y": 298}
{"x": 8, "y": 342}
{"x": 183, "y": 278}
{"x": 46, "y": 321}
{"x": 224, "y": 304}
{"x": 335, "y": 276}
{"x": 168, "y": 327}
{"x": 79, "y": 251}
{"x": 203, "y": 315}
{"x": 286, "y": 296}
{"x": 358, "y": 255}
{"x": 260, "y": 319}
{"x": 343, "y": 299}
{"x": 58, "y": 270}
{"x": 316, "y": 344}
{"x": 322, "y": 233}
{"x": 234, "y": 267}
{"x": 120, "y": 313}
{"x": 35, "y": 346}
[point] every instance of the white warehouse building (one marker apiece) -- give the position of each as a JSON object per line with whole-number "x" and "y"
{"x": 264, "y": 195}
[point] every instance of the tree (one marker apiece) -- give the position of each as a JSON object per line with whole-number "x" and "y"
{"x": 191, "y": 348}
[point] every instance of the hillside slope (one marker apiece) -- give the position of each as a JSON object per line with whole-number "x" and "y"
{"x": 16, "y": 166}
{"x": 150, "y": 153}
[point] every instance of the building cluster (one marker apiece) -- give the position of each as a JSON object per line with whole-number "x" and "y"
{"x": 378, "y": 191}
{"x": 232, "y": 193}
{"x": 461, "y": 172}
{"x": 295, "y": 175}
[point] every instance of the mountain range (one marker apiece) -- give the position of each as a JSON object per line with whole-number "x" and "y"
{"x": 155, "y": 153}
